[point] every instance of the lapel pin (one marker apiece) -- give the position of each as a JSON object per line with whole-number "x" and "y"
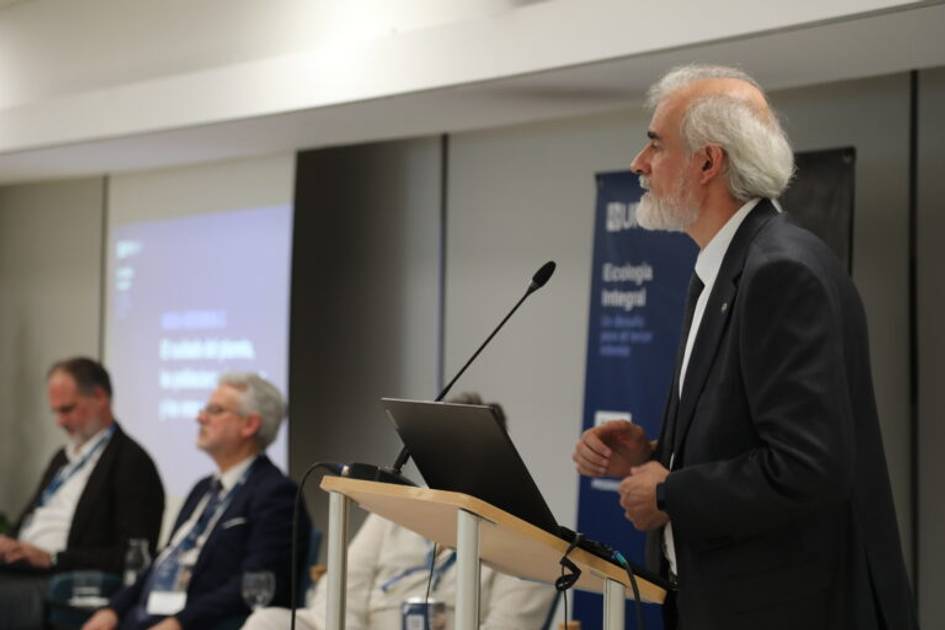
{"x": 724, "y": 306}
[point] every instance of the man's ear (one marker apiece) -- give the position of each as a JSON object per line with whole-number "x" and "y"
{"x": 252, "y": 425}
{"x": 712, "y": 165}
{"x": 100, "y": 396}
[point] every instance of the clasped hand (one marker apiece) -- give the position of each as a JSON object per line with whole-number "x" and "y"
{"x": 620, "y": 449}
{"x": 12, "y": 550}
{"x": 611, "y": 449}
{"x": 638, "y": 496}
{"x": 106, "y": 619}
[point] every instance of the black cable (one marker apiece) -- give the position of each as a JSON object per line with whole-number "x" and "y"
{"x": 564, "y": 596}
{"x": 600, "y": 550}
{"x": 915, "y": 481}
{"x": 426, "y": 600}
{"x": 638, "y": 607}
{"x": 566, "y": 581}
{"x": 293, "y": 594}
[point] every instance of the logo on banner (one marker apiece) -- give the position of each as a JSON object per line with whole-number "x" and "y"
{"x": 621, "y": 216}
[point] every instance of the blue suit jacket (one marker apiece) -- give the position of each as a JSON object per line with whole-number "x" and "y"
{"x": 253, "y": 534}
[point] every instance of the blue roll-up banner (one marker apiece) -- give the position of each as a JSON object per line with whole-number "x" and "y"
{"x": 638, "y": 290}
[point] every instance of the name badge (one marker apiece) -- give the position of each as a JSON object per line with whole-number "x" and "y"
{"x": 166, "y": 602}
{"x": 188, "y": 558}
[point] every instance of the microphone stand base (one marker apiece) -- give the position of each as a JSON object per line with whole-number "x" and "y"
{"x": 369, "y": 472}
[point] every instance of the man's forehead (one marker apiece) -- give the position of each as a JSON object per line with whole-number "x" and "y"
{"x": 224, "y": 392}
{"x": 661, "y": 122}
{"x": 62, "y": 381}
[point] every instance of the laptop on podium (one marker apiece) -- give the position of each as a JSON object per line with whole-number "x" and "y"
{"x": 464, "y": 448}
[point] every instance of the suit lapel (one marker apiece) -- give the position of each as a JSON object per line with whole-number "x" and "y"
{"x": 671, "y": 409}
{"x": 236, "y": 507}
{"x": 715, "y": 318}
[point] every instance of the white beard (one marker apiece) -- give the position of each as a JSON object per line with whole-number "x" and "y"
{"x": 79, "y": 438}
{"x": 673, "y": 213}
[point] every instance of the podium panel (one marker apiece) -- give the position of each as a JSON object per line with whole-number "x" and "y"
{"x": 506, "y": 543}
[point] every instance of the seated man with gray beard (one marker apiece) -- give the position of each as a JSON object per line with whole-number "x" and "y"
{"x": 98, "y": 492}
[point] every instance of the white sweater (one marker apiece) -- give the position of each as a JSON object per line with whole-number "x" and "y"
{"x": 379, "y": 555}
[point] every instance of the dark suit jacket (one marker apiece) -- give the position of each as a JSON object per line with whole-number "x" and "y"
{"x": 123, "y": 499}
{"x": 779, "y": 498}
{"x": 253, "y": 534}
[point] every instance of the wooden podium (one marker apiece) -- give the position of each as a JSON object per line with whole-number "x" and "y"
{"x": 478, "y": 531}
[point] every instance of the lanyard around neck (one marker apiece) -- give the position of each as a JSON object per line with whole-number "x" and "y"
{"x": 218, "y": 510}
{"x": 68, "y": 471}
{"x": 438, "y": 571}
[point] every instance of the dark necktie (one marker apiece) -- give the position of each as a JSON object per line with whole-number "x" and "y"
{"x": 164, "y": 576}
{"x": 692, "y": 297}
{"x": 213, "y": 502}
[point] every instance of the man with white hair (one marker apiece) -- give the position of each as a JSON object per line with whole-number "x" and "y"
{"x": 766, "y": 497}
{"x": 235, "y": 521}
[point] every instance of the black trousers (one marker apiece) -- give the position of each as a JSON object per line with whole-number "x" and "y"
{"x": 670, "y": 612}
{"x": 22, "y": 599}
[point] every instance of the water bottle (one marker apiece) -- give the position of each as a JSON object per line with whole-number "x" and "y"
{"x": 137, "y": 560}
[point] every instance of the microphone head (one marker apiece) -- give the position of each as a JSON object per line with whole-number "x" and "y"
{"x": 542, "y": 275}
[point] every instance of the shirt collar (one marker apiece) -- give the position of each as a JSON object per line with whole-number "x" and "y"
{"x": 233, "y": 475}
{"x": 709, "y": 260}
{"x": 74, "y": 454}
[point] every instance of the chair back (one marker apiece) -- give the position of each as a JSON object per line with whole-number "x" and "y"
{"x": 61, "y": 613}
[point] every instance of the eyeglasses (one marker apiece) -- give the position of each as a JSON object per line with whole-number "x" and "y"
{"x": 218, "y": 410}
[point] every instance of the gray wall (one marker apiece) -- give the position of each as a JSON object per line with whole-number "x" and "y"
{"x": 50, "y": 279}
{"x": 365, "y": 301}
{"x": 931, "y": 311}
{"x": 873, "y": 116}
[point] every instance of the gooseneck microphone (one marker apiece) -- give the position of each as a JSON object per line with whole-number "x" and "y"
{"x": 538, "y": 281}
{"x": 392, "y": 474}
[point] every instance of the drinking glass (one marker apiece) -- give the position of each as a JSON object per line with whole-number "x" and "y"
{"x": 259, "y": 587}
{"x": 137, "y": 560}
{"x": 86, "y": 588}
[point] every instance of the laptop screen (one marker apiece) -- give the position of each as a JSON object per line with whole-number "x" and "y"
{"x": 465, "y": 448}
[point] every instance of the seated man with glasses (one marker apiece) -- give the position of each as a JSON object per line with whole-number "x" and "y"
{"x": 236, "y": 521}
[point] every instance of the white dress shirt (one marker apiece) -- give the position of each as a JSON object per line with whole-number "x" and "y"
{"x": 708, "y": 263}
{"x": 49, "y": 524}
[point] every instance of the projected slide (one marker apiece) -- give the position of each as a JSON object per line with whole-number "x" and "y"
{"x": 191, "y": 298}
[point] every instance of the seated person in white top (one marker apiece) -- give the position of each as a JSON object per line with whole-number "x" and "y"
{"x": 96, "y": 494}
{"x": 388, "y": 564}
